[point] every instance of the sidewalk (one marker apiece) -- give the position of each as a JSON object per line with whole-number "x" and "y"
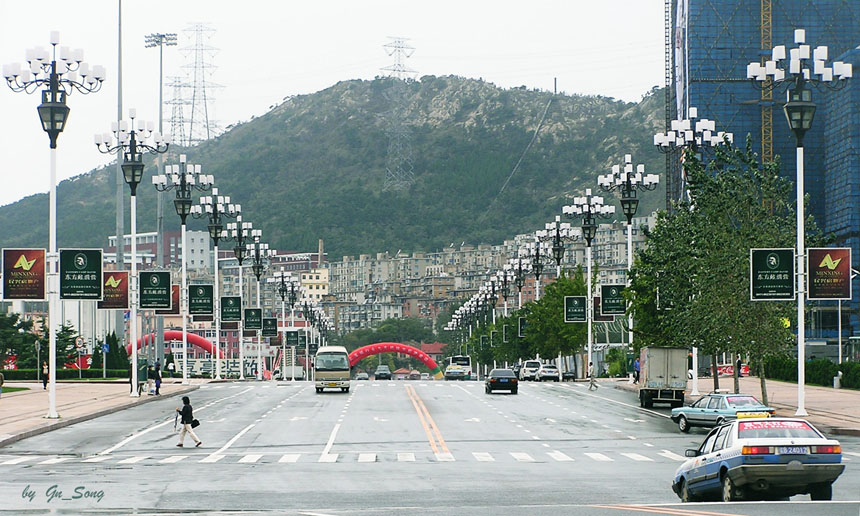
{"x": 22, "y": 413}
{"x": 836, "y": 411}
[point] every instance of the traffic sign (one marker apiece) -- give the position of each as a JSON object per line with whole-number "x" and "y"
{"x": 79, "y": 343}
{"x": 772, "y": 275}
{"x": 574, "y": 309}
{"x": 105, "y": 348}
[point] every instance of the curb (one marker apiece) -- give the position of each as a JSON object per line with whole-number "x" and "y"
{"x": 86, "y": 417}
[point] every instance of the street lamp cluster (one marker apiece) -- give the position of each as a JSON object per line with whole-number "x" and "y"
{"x": 289, "y": 289}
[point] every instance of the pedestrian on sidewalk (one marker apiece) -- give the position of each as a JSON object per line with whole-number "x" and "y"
{"x": 187, "y": 415}
{"x": 157, "y": 379}
{"x": 591, "y": 383}
{"x": 636, "y": 369}
{"x": 2, "y": 381}
{"x": 171, "y": 367}
{"x": 44, "y": 375}
{"x": 150, "y": 380}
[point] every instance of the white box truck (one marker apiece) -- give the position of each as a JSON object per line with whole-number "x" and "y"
{"x": 663, "y": 376}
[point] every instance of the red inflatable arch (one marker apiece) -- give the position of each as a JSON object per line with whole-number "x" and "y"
{"x": 193, "y": 338}
{"x": 395, "y": 347}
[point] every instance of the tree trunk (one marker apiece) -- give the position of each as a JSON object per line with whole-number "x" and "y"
{"x": 714, "y": 372}
{"x": 763, "y": 383}
{"x": 735, "y": 361}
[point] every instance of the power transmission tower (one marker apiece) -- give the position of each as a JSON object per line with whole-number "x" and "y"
{"x": 399, "y": 168}
{"x": 177, "y": 105}
{"x": 200, "y": 126}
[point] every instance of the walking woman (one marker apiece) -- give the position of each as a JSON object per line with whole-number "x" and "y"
{"x": 44, "y": 375}
{"x": 187, "y": 417}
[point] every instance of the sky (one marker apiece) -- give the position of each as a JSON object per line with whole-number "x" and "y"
{"x": 271, "y": 49}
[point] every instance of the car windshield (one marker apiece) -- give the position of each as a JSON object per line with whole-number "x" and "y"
{"x": 502, "y": 373}
{"x": 532, "y": 364}
{"x": 463, "y": 361}
{"x": 743, "y": 401}
{"x": 549, "y": 367}
{"x": 775, "y": 430}
{"x": 383, "y": 369}
{"x": 332, "y": 362}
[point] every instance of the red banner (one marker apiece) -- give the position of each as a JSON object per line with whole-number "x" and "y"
{"x": 174, "y": 300}
{"x": 729, "y": 370}
{"x": 24, "y": 274}
{"x": 829, "y": 273}
{"x": 115, "y": 290}
{"x": 81, "y": 362}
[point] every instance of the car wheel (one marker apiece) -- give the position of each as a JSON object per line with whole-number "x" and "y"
{"x": 686, "y": 495}
{"x": 514, "y": 391}
{"x": 683, "y": 424}
{"x": 720, "y": 421}
{"x": 319, "y": 390}
{"x": 821, "y": 491}
{"x": 729, "y": 492}
{"x": 346, "y": 390}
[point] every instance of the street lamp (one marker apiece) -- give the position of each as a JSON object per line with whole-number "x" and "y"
{"x": 520, "y": 269}
{"x": 628, "y": 182}
{"x": 184, "y": 178}
{"x": 588, "y": 209}
{"x": 239, "y": 232}
{"x": 214, "y": 207}
{"x": 59, "y": 78}
{"x": 287, "y": 288}
{"x": 131, "y": 141}
{"x": 799, "y": 109}
{"x": 259, "y": 252}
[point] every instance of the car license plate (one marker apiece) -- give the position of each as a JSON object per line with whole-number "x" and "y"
{"x": 332, "y": 384}
{"x": 504, "y": 380}
{"x": 792, "y": 450}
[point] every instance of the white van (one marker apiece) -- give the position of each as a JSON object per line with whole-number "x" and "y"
{"x": 331, "y": 368}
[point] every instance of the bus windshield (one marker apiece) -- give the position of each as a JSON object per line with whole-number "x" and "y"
{"x": 461, "y": 361}
{"x": 332, "y": 362}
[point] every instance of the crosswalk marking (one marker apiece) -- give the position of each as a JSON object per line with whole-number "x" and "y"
{"x": 637, "y": 457}
{"x": 290, "y": 457}
{"x": 405, "y": 457}
{"x": 328, "y": 457}
{"x": 366, "y": 457}
{"x": 671, "y": 455}
{"x": 250, "y": 459}
{"x": 483, "y": 457}
{"x": 18, "y": 460}
{"x": 522, "y": 457}
{"x": 598, "y": 457}
{"x": 211, "y": 459}
{"x": 444, "y": 457}
{"x": 855, "y": 454}
{"x": 559, "y": 456}
{"x": 98, "y": 458}
{"x": 173, "y": 460}
{"x": 55, "y": 460}
{"x": 132, "y": 460}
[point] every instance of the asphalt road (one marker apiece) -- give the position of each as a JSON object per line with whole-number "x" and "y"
{"x": 388, "y": 447}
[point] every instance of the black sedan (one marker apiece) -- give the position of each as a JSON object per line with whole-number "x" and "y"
{"x": 501, "y": 380}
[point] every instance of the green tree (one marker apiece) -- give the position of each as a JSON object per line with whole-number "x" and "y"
{"x": 66, "y": 350}
{"x": 548, "y": 334}
{"x": 16, "y": 339}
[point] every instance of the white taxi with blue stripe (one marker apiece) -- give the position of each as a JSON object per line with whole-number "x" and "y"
{"x": 762, "y": 458}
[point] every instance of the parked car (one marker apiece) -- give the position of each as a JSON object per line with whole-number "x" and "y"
{"x": 501, "y": 380}
{"x": 382, "y": 373}
{"x": 760, "y": 458}
{"x": 530, "y": 367}
{"x": 414, "y": 375}
{"x": 716, "y": 408}
{"x": 361, "y": 376}
{"x": 547, "y": 373}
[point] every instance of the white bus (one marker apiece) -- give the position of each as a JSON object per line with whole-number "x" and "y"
{"x": 459, "y": 367}
{"x": 331, "y": 368}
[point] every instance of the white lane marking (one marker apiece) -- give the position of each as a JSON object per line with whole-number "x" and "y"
{"x": 328, "y": 457}
{"x": 331, "y": 439}
{"x": 522, "y": 457}
{"x": 366, "y": 457}
{"x": 598, "y": 457}
{"x": 483, "y": 457}
{"x": 159, "y": 425}
{"x": 648, "y": 445}
{"x": 549, "y": 419}
{"x": 18, "y": 460}
{"x": 232, "y": 440}
{"x": 212, "y": 458}
{"x": 637, "y": 457}
{"x": 297, "y": 418}
{"x": 559, "y": 456}
{"x": 671, "y": 455}
{"x": 618, "y": 402}
{"x": 855, "y": 454}
{"x": 173, "y": 460}
{"x": 405, "y": 457}
{"x": 292, "y": 458}
{"x": 55, "y": 460}
{"x": 536, "y": 437}
{"x": 97, "y": 458}
{"x": 634, "y": 420}
{"x": 133, "y": 460}
{"x": 251, "y": 458}
{"x": 631, "y": 437}
{"x": 473, "y": 420}
{"x": 444, "y": 457}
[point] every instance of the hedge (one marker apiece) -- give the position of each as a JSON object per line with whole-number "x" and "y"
{"x": 818, "y": 371}
{"x": 64, "y": 374}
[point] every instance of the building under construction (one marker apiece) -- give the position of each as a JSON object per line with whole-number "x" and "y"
{"x": 708, "y": 46}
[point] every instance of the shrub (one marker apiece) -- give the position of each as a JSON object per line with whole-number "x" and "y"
{"x": 64, "y": 374}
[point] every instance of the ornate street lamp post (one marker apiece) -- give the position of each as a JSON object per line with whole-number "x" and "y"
{"x": 795, "y": 74}
{"x": 260, "y": 253}
{"x": 60, "y": 71}
{"x": 131, "y": 142}
{"x": 240, "y": 233}
{"x": 184, "y": 178}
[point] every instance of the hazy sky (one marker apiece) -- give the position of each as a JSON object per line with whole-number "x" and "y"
{"x": 271, "y": 49}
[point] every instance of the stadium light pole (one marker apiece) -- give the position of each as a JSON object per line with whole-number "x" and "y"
{"x": 60, "y": 71}
{"x": 131, "y": 142}
{"x": 792, "y": 70}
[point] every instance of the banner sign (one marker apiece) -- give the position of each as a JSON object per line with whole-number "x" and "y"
{"x": 596, "y": 315}
{"x": 253, "y": 319}
{"x": 201, "y": 299}
{"x": 574, "y": 309}
{"x": 174, "y": 302}
{"x": 81, "y": 274}
{"x": 115, "y": 291}
{"x": 231, "y": 308}
{"x": 521, "y": 327}
{"x": 24, "y": 274}
{"x": 270, "y": 328}
{"x": 303, "y": 341}
{"x": 772, "y": 275}
{"x": 612, "y": 300}
{"x": 292, "y": 338}
{"x": 829, "y": 273}
{"x": 204, "y": 318}
{"x": 154, "y": 289}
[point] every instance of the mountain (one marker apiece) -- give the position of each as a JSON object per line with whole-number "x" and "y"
{"x": 315, "y": 166}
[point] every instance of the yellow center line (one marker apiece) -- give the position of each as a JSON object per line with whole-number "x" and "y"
{"x": 432, "y": 423}
{"x": 664, "y": 510}
{"x": 412, "y": 397}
